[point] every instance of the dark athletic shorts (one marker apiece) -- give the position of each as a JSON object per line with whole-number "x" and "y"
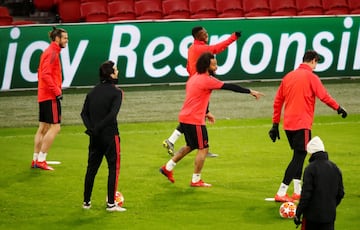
{"x": 50, "y": 111}
{"x": 196, "y": 136}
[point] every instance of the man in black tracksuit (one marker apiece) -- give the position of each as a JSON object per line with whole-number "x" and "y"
{"x": 101, "y": 106}
{"x": 322, "y": 190}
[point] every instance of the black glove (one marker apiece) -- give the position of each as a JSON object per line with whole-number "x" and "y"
{"x": 59, "y": 97}
{"x": 238, "y": 34}
{"x": 274, "y": 132}
{"x": 297, "y": 221}
{"x": 342, "y": 111}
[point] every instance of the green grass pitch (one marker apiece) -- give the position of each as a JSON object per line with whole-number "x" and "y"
{"x": 249, "y": 169}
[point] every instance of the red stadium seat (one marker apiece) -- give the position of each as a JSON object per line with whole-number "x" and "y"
{"x": 354, "y": 6}
{"x": 4, "y": 11}
{"x": 283, "y": 8}
{"x": 173, "y": 9}
{"x": 69, "y": 10}
{"x": 94, "y": 11}
{"x": 258, "y": 8}
{"x": 309, "y": 7}
{"x": 229, "y": 8}
{"x": 5, "y": 17}
{"x": 148, "y": 9}
{"x": 44, "y": 5}
{"x": 121, "y": 10}
{"x": 202, "y": 9}
{"x": 334, "y": 7}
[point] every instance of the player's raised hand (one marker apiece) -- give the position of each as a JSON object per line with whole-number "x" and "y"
{"x": 238, "y": 34}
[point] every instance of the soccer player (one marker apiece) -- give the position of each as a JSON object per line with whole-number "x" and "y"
{"x": 297, "y": 92}
{"x": 322, "y": 190}
{"x": 49, "y": 96}
{"x": 199, "y": 46}
{"x": 99, "y": 113}
{"x": 193, "y": 113}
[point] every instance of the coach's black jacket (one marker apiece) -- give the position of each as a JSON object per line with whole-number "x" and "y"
{"x": 322, "y": 190}
{"x": 101, "y": 106}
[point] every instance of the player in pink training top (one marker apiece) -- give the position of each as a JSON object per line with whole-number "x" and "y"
{"x": 198, "y": 47}
{"x": 193, "y": 114}
{"x": 49, "y": 97}
{"x": 297, "y": 93}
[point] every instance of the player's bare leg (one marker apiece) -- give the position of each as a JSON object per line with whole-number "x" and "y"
{"x": 40, "y": 133}
{"x": 49, "y": 137}
{"x": 181, "y": 153}
{"x": 199, "y": 163}
{"x": 46, "y": 142}
{"x": 167, "y": 169}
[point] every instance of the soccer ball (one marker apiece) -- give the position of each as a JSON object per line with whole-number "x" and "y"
{"x": 287, "y": 210}
{"x": 119, "y": 199}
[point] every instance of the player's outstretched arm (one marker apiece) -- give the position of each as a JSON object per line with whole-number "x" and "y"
{"x": 239, "y": 89}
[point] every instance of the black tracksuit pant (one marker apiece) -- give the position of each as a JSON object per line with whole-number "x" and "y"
{"x": 98, "y": 147}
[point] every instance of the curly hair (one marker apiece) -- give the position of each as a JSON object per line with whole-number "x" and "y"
{"x": 203, "y": 62}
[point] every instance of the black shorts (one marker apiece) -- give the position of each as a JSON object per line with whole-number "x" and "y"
{"x": 50, "y": 111}
{"x": 298, "y": 139}
{"x": 196, "y": 136}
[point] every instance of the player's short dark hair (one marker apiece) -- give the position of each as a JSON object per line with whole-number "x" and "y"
{"x": 203, "y": 62}
{"x": 196, "y": 30}
{"x": 56, "y": 32}
{"x": 105, "y": 70}
{"x": 311, "y": 55}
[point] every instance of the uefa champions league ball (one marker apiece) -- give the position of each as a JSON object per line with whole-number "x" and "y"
{"x": 119, "y": 199}
{"x": 287, "y": 210}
